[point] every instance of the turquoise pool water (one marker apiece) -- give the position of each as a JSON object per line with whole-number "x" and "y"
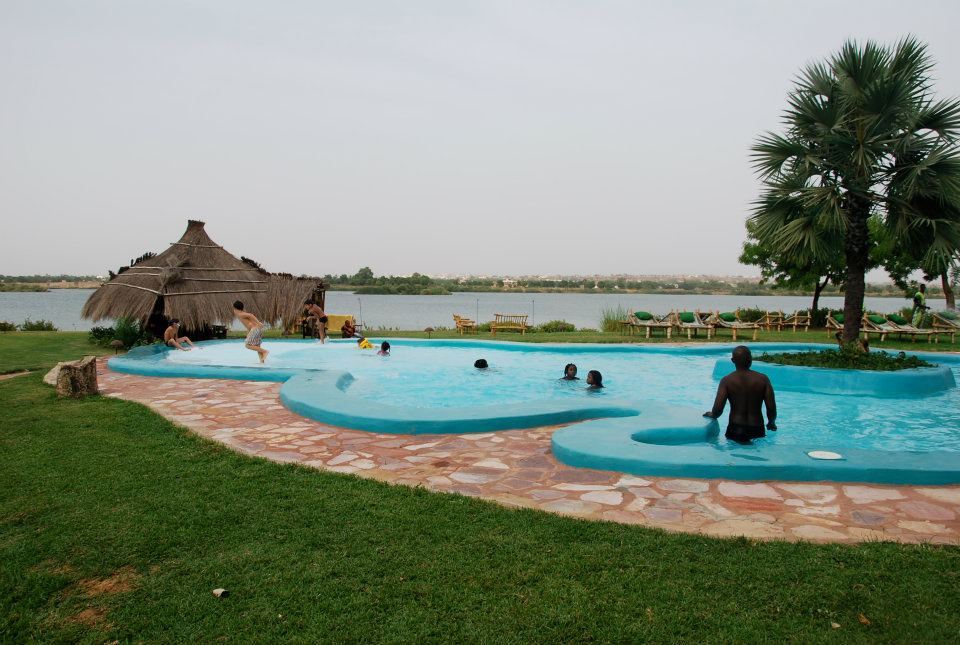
{"x": 437, "y": 376}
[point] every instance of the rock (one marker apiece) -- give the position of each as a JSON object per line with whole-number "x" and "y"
{"x": 78, "y": 378}
{"x": 220, "y": 593}
{"x": 50, "y": 378}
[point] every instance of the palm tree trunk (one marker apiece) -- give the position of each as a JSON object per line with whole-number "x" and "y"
{"x": 948, "y": 291}
{"x": 856, "y": 247}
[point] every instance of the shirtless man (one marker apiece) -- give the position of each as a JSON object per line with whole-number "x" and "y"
{"x": 170, "y": 337}
{"x": 254, "y": 330}
{"x": 746, "y": 390}
{"x": 315, "y": 313}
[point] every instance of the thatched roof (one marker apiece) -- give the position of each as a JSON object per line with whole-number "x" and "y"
{"x": 198, "y": 281}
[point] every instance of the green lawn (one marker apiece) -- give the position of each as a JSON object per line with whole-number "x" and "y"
{"x": 116, "y": 525}
{"x": 34, "y": 350}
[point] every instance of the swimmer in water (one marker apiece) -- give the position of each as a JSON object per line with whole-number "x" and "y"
{"x": 594, "y": 380}
{"x": 481, "y": 364}
{"x": 384, "y": 349}
{"x": 570, "y": 373}
{"x": 746, "y": 390}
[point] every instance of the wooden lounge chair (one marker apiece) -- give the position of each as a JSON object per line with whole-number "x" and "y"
{"x": 465, "y": 325}
{"x": 947, "y": 322}
{"x": 876, "y": 324}
{"x": 648, "y": 322}
{"x": 903, "y": 326}
{"x": 834, "y": 323}
{"x": 772, "y": 319}
{"x": 731, "y": 320}
{"x": 798, "y": 318}
{"x": 692, "y": 321}
{"x": 516, "y": 322}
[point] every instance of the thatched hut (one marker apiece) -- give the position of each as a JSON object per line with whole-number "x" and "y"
{"x": 197, "y": 281}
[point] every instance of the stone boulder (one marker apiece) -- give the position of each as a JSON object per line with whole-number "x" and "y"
{"x": 74, "y": 378}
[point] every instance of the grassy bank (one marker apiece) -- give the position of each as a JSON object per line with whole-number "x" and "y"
{"x": 35, "y": 350}
{"x": 116, "y": 525}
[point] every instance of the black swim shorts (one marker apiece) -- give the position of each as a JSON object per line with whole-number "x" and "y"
{"x": 744, "y": 433}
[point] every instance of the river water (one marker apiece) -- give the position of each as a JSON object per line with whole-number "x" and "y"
{"x": 63, "y": 306}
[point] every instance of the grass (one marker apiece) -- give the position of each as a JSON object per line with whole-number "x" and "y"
{"x": 37, "y": 350}
{"x": 116, "y": 525}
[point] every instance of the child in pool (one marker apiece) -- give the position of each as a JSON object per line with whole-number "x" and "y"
{"x": 384, "y": 349}
{"x": 570, "y": 373}
{"x": 594, "y": 380}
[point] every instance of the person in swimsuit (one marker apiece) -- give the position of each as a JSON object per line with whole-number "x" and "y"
{"x": 594, "y": 380}
{"x": 319, "y": 319}
{"x": 348, "y": 329}
{"x": 746, "y": 390}
{"x": 570, "y": 373}
{"x": 254, "y": 331}
{"x": 170, "y": 337}
{"x": 384, "y": 349}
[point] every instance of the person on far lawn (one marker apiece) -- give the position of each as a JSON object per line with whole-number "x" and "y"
{"x": 570, "y": 373}
{"x": 746, "y": 390}
{"x": 170, "y": 337}
{"x": 316, "y": 315}
{"x": 919, "y": 305}
{"x": 254, "y": 331}
{"x": 384, "y": 349}
{"x": 594, "y": 380}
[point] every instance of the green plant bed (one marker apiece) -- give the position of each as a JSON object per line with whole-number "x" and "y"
{"x": 847, "y": 359}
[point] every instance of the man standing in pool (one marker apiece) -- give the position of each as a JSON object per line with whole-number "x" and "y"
{"x": 746, "y": 390}
{"x": 254, "y": 331}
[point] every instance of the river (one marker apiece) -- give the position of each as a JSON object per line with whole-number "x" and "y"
{"x": 63, "y": 306}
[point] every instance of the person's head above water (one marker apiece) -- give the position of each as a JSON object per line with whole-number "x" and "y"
{"x": 384, "y": 346}
{"x": 742, "y": 357}
{"x": 481, "y": 364}
{"x": 570, "y": 372}
{"x": 594, "y": 378}
{"x": 238, "y": 305}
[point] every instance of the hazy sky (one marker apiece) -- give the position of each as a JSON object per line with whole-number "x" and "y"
{"x": 440, "y": 137}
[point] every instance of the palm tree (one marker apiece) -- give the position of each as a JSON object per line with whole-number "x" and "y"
{"x": 866, "y": 151}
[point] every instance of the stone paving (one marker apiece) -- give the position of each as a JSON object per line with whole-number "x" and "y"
{"x": 516, "y": 468}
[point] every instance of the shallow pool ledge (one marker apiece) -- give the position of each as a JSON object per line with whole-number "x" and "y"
{"x": 672, "y": 441}
{"x": 820, "y": 380}
{"x": 325, "y": 397}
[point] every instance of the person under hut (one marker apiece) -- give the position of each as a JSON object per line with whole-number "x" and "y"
{"x": 348, "y": 329}
{"x": 172, "y": 337}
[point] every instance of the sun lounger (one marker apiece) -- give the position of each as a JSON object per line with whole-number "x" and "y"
{"x": 731, "y": 320}
{"x": 903, "y": 326}
{"x": 876, "y": 324}
{"x": 947, "y": 322}
{"x": 772, "y": 319}
{"x": 692, "y": 321}
{"x": 834, "y": 323}
{"x": 800, "y": 318}
{"x": 648, "y": 322}
{"x": 517, "y": 322}
{"x": 465, "y": 325}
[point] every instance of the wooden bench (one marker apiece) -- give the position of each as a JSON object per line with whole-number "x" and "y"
{"x": 509, "y": 321}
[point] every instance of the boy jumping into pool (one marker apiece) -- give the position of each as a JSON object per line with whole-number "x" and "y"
{"x": 746, "y": 390}
{"x": 254, "y": 330}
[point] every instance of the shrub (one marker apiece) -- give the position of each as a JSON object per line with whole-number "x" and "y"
{"x": 818, "y": 317}
{"x": 37, "y": 325}
{"x": 848, "y": 358}
{"x": 556, "y": 326}
{"x": 100, "y": 335}
{"x": 129, "y": 332}
{"x": 483, "y": 327}
{"x": 610, "y": 318}
{"x": 7, "y": 326}
{"x": 752, "y": 314}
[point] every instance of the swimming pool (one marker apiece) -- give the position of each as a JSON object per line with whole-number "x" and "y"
{"x": 432, "y": 386}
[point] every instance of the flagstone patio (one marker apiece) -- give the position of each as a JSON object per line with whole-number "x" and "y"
{"x": 516, "y": 468}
